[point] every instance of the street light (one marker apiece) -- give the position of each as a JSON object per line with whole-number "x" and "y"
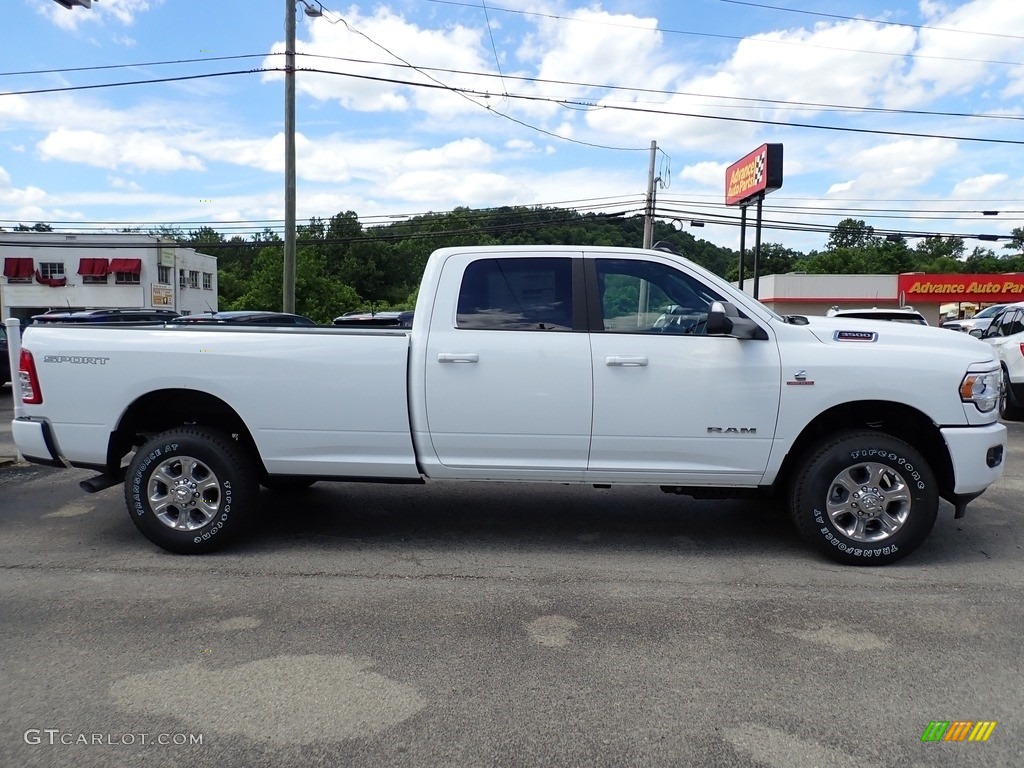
{"x": 288, "y": 279}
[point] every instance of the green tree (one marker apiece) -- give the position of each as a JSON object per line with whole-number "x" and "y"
{"x": 317, "y": 296}
{"x": 1017, "y": 240}
{"x": 775, "y": 259}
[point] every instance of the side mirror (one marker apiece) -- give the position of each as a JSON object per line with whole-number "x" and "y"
{"x": 977, "y": 332}
{"x": 725, "y": 320}
{"x": 718, "y": 322}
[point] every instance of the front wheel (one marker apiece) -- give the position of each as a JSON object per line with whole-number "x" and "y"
{"x": 864, "y": 498}
{"x": 190, "y": 490}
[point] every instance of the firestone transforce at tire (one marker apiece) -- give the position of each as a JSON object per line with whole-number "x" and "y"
{"x": 191, "y": 490}
{"x": 864, "y": 498}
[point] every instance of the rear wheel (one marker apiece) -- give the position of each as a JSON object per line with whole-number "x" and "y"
{"x": 864, "y": 498}
{"x": 191, "y": 490}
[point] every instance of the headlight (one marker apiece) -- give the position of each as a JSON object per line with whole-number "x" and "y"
{"x": 982, "y": 389}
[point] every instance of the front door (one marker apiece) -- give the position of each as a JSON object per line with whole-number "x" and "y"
{"x": 672, "y": 404}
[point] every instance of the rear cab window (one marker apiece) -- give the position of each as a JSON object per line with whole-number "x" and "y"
{"x": 510, "y": 294}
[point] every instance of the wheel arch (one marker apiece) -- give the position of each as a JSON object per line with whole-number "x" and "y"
{"x": 896, "y": 419}
{"x": 164, "y": 409}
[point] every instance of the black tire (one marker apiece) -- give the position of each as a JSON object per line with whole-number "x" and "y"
{"x": 864, "y": 498}
{"x": 1009, "y": 409}
{"x": 191, "y": 490}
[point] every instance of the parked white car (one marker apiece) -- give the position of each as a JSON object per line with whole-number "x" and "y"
{"x": 893, "y": 314}
{"x": 1006, "y": 335}
{"x": 979, "y": 322}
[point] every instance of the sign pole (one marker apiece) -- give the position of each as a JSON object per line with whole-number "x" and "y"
{"x": 743, "y": 242}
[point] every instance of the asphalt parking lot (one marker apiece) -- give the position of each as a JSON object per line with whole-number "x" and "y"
{"x": 500, "y": 625}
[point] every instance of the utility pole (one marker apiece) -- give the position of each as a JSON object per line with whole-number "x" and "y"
{"x": 288, "y": 298}
{"x": 649, "y": 214}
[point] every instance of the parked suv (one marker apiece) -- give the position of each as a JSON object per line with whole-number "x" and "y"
{"x": 898, "y": 315}
{"x": 1006, "y": 336}
{"x": 106, "y": 316}
{"x": 979, "y": 322}
{"x": 245, "y": 317}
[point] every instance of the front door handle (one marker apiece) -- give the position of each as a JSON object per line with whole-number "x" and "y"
{"x": 458, "y": 357}
{"x": 626, "y": 361}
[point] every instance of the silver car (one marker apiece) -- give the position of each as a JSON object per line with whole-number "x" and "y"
{"x": 979, "y": 322}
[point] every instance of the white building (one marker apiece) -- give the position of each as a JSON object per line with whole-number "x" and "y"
{"x": 50, "y": 270}
{"x": 797, "y": 293}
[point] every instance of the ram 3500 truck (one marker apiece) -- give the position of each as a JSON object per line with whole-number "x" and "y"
{"x": 531, "y": 364}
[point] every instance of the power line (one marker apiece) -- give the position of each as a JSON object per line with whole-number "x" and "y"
{"x": 873, "y": 21}
{"x": 690, "y": 33}
{"x": 697, "y": 116}
{"x": 97, "y": 68}
{"x": 756, "y": 101}
{"x": 68, "y": 88}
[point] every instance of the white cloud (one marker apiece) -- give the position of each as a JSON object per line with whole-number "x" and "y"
{"x": 450, "y": 188}
{"x": 118, "y": 183}
{"x": 895, "y": 167}
{"x": 952, "y": 60}
{"x": 122, "y": 12}
{"x": 10, "y": 195}
{"x": 460, "y": 153}
{"x": 706, "y": 174}
{"x": 451, "y": 48}
{"x": 133, "y": 150}
{"x": 520, "y": 145}
{"x": 980, "y": 185}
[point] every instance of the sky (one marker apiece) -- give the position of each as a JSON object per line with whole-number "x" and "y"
{"x": 150, "y": 113}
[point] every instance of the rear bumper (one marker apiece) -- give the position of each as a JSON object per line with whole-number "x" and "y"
{"x": 978, "y": 455}
{"x": 35, "y": 442}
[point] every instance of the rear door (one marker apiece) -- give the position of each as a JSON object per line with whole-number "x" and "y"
{"x": 508, "y": 382}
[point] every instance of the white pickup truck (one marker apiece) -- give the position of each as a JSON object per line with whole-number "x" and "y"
{"x": 531, "y": 364}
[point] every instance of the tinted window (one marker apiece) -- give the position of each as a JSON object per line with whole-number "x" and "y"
{"x": 516, "y": 294}
{"x": 1003, "y": 324}
{"x": 1014, "y": 324}
{"x": 650, "y": 297}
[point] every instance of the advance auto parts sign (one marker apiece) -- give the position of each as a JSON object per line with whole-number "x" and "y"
{"x": 990, "y": 288}
{"x": 758, "y": 173}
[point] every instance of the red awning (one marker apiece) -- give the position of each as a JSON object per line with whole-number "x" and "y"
{"x": 93, "y": 267}
{"x": 18, "y": 266}
{"x": 53, "y": 282}
{"x": 133, "y": 266}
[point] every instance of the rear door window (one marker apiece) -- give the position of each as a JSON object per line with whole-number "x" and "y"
{"x": 510, "y": 294}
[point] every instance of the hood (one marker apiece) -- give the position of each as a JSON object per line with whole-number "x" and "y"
{"x": 854, "y": 332}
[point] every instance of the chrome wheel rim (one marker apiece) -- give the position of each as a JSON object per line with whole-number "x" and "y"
{"x": 869, "y": 502}
{"x": 184, "y": 493}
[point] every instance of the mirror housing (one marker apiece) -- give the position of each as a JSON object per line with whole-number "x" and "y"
{"x": 718, "y": 322}
{"x": 725, "y": 320}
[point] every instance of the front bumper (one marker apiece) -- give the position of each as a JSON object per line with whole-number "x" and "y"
{"x": 978, "y": 456}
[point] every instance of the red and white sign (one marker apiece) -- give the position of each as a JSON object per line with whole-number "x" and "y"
{"x": 758, "y": 173}
{"x": 950, "y": 288}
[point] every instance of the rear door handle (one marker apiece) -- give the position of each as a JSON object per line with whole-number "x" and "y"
{"x": 458, "y": 357}
{"x": 626, "y": 361}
